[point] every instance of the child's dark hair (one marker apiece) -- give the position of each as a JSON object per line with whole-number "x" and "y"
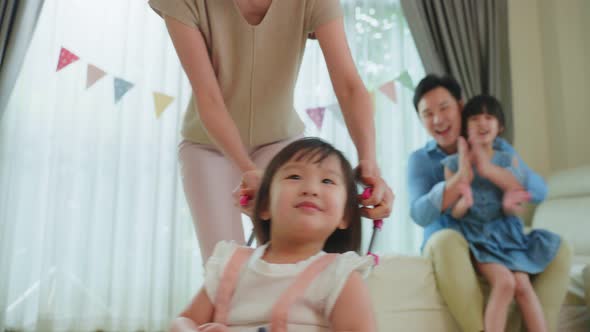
{"x": 481, "y": 104}
{"x": 313, "y": 150}
{"x": 431, "y": 82}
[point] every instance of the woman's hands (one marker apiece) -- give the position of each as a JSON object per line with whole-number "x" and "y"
{"x": 249, "y": 188}
{"x": 382, "y": 196}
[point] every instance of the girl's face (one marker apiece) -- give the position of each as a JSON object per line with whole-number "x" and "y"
{"x": 483, "y": 128}
{"x": 307, "y": 200}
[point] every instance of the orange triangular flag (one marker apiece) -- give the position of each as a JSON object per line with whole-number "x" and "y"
{"x": 389, "y": 90}
{"x": 65, "y": 58}
{"x": 93, "y": 74}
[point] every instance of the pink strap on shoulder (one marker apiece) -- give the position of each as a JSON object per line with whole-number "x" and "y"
{"x": 296, "y": 290}
{"x": 211, "y": 327}
{"x": 228, "y": 282}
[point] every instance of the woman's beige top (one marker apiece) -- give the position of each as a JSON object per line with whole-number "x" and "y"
{"x": 256, "y": 66}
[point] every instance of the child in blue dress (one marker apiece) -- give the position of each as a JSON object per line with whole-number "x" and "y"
{"x": 501, "y": 250}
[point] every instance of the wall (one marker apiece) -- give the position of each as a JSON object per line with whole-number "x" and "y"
{"x": 550, "y": 51}
{"x": 529, "y": 104}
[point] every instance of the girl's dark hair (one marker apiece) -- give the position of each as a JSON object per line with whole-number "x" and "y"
{"x": 313, "y": 150}
{"x": 481, "y": 104}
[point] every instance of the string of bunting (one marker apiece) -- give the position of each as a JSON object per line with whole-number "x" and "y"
{"x": 120, "y": 86}
{"x": 162, "y": 101}
{"x": 389, "y": 89}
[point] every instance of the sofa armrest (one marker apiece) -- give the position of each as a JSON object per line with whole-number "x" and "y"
{"x": 566, "y": 211}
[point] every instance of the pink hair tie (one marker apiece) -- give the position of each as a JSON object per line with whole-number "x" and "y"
{"x": 377, "y": 225}
{"x": 244, "y": 199}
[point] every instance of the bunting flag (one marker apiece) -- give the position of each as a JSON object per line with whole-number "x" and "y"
{"x": 317, "y": 116}
{"x": 93, "y": 74}
{"x": 405, "y": 80}
{"x": 65, "y": 58}
{"x": 161, "y": 101}
{"x": 388, "y": 89}
{"x": 121, "y": 88}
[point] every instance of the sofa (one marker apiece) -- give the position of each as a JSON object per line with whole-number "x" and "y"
{"x": 566, "y": 211}
{"x": 403, "y": 288}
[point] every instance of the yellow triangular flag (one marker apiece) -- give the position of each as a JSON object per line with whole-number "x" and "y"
{"x": 161, "y": 101}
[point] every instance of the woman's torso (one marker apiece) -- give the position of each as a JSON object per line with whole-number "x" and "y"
{"x": 257, "y": 65}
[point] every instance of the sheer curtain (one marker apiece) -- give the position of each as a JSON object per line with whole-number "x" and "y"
{"x": 95, "y": 233}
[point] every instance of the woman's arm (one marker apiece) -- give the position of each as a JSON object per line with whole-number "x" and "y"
{"x": 352, "y": 95}
{"x": 192, "y": 52}
{"x": 353, "y": 311}
{"x": 357, "y": 110}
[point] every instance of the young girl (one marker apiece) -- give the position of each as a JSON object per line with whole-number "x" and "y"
{"x": 306, "y": 276}
{"x": 503, "y": 253}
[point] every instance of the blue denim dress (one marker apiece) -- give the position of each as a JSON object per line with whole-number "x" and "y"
{"x": 495, "y": 237}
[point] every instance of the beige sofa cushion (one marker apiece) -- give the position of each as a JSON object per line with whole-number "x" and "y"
{"x": 566, "y": 211}
{"x": 568, "y": 217}
{"x": 568, "y": 183}
{"x": 405, "y": 297}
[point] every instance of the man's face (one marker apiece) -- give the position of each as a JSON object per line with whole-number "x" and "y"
{"x": 440, "y": 114}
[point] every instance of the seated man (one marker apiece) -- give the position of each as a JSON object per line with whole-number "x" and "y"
{"x": 439, "y": 104}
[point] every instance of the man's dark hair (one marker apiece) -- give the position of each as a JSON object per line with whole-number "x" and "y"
{"x": 431, "y": 82}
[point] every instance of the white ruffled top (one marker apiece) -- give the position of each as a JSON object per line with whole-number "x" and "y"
{"x": 262, "y": 283}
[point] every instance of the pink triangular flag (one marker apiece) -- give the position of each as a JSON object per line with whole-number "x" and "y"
{"x": 317, "y": 115}
{"x": 389, "y": 90}
{"x": 93, "y": 74}
{"x": 65, "y": 58}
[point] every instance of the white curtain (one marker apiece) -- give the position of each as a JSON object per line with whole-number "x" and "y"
{"x": 95, "y": 233}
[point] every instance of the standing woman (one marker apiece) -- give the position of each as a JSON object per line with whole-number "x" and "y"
{"x": 242, "y": 58}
